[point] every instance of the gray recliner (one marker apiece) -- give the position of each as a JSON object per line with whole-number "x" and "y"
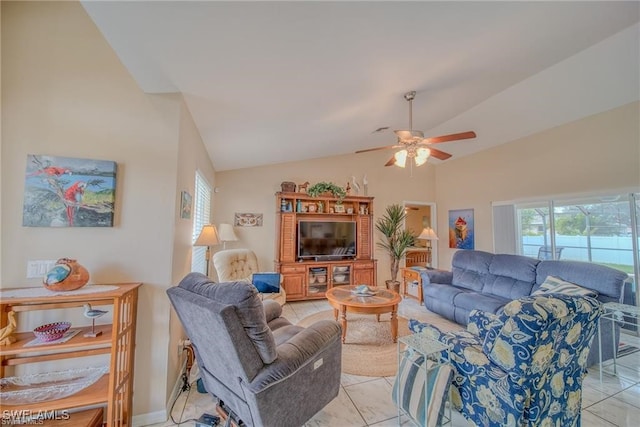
{"x": 267, "y": 371}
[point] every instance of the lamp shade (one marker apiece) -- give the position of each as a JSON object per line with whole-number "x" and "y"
{"x": 401, "y": 158}
{"x": 422, "y": 154}
{"x": 428, "y": 234}
{"x": 226, "y": 233}
{"x": 208, "y": 236}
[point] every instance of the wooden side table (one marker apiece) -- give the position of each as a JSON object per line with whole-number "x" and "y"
{"x": 412, "y": 283}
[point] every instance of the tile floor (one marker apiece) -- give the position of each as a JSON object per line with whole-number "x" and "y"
{"x": 366, "y": 401}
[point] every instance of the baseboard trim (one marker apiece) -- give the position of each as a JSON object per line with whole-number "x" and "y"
{"x": 150, "y": 418}
{"x": 162, "y": 415}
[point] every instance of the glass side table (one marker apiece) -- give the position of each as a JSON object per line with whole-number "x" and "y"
{"x": 421, "y": 344}
{"x": 616, "y": 313}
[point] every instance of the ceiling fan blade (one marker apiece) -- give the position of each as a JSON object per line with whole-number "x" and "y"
{"x": 391, "y": 161}
{"x": 441, "y": 155}
{"x": 452, "y": 137}
{"x": 375, "y": 149}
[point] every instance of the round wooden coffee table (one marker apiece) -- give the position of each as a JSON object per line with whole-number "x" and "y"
{"x": 343, "y": 300}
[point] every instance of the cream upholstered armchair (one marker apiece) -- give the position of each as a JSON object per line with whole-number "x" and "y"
{"x": 239, "y": 265}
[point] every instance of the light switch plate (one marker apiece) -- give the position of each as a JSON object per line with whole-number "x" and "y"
{"x": 38, "y": 268}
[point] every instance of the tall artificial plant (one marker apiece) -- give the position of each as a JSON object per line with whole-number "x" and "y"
{"x": 396, "y": 238}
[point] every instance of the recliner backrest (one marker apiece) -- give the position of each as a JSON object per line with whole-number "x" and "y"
{"x": 227, "y": 325}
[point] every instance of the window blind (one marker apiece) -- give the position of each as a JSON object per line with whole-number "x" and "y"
{"x": 201, "y": 217}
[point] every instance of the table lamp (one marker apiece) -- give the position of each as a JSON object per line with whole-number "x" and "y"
{"x": 428, "y": 234}
{"x": 208, "y": 237}
{"x": 226, "y": 234}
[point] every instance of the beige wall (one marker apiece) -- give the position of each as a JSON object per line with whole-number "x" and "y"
{"x": 65, "y": 93}
{"x": 192, "y": 156}
{"x": 253, "y": 190}
{"x": 597, "y": 153}
{"x": 600, "y": 152}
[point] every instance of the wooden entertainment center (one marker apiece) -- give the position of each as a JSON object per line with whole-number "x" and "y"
{"x": 323, "y": 260}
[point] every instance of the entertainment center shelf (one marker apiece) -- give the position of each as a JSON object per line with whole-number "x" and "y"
{"x": 322, "y": 242}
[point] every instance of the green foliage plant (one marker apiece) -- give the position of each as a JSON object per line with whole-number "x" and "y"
{"x": 323, "y": 187}
{"x": 396, "y": 239}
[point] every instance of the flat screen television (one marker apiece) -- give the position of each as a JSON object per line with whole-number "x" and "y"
{"x": 326, "y": 239}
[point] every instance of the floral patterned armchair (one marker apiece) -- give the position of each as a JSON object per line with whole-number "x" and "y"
{"x": 523, "y": 367}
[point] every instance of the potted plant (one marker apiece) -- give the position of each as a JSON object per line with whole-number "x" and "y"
{"x": 318, "y": 189}
{"x": 396, "y": 240}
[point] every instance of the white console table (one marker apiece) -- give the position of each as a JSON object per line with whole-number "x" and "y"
{"x": 616, "y": 313}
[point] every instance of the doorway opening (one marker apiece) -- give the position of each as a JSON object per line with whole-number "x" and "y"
{"x": 420, "y": 219}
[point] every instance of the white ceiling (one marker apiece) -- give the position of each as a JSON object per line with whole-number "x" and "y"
{"x": 270, "y": 82}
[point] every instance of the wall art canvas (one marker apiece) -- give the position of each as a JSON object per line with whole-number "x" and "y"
{"x": 68, "y": 192}
{"x": 185, "y": 205}
{"x": 248, "y": 220}
{"x": 461, "y": 229}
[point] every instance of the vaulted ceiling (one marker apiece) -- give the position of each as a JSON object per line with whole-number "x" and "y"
{"x": 271, "y": 82}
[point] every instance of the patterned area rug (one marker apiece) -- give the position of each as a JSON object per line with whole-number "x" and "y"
{"x": 626, "y": 349}
{"x": 368, "y": 349}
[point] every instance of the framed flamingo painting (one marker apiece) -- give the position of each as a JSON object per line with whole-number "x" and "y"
{"x": 68, "y": 192}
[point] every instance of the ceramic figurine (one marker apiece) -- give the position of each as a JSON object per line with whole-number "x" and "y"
{"x": 6, "y": 333}
{"x": 93, "y": 314}
{"x": 66, "y": 275}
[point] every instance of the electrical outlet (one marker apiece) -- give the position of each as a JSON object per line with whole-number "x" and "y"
{"x": 38, "y": 268}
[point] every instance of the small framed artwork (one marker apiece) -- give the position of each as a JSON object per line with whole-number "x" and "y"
{"x": 248, "y": 220}
{"x": 185, "y": 205}
{"x": 339, "y": 209}
{"x": 68, "y": 192}
{"x": 461, "y": 229}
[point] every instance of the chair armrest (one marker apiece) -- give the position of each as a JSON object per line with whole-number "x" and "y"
{"x": 482, "y": 322}
{"x": 272, "y": 310}
{"x": 436, "y": 276}
{"x": 297, "y": 351}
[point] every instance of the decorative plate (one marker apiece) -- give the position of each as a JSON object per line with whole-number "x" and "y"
{"x": 48, "y": 386}
{"x": 363, "y": 291}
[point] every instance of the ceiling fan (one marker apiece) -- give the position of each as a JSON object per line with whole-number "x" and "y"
{"x": 414, "y": 145}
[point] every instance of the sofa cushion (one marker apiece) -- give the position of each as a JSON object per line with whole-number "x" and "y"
{"x": 511, "y": 276}
{"x": 423, "y": 395}
{"x": 478, "y": 301}
{"x": 558, "y": 286}
{"x": 470, "y": 269}
{"x": 604, "y": 280}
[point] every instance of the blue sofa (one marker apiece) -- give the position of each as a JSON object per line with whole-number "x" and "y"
{"x": 485, "y": 281}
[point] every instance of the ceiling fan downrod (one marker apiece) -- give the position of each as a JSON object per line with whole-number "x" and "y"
{"x": 409, "y": 97}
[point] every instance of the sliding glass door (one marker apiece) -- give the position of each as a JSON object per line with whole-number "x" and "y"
{"x": 604, "y": 230}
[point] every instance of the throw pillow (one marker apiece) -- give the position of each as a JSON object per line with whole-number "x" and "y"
{"x": 410, "y": 384}
{"x": 556, "y": 285}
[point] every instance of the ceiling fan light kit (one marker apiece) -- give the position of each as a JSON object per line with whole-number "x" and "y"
{"x": 414, "y": 145}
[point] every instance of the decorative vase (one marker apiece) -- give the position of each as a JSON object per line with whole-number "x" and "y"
{"x": 66, "y": 275}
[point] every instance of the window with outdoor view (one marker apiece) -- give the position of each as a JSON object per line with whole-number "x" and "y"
{"x": 603, "y": 229}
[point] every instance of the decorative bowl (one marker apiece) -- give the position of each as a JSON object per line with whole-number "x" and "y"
{"x": 342, "y": 268}
{"x": 321, "y": 279}
{"x": 363, "y": 291}
{"x": 51, "y": 331}
{"x": 47, "y": 386}
{"x": 340, "y": 278}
